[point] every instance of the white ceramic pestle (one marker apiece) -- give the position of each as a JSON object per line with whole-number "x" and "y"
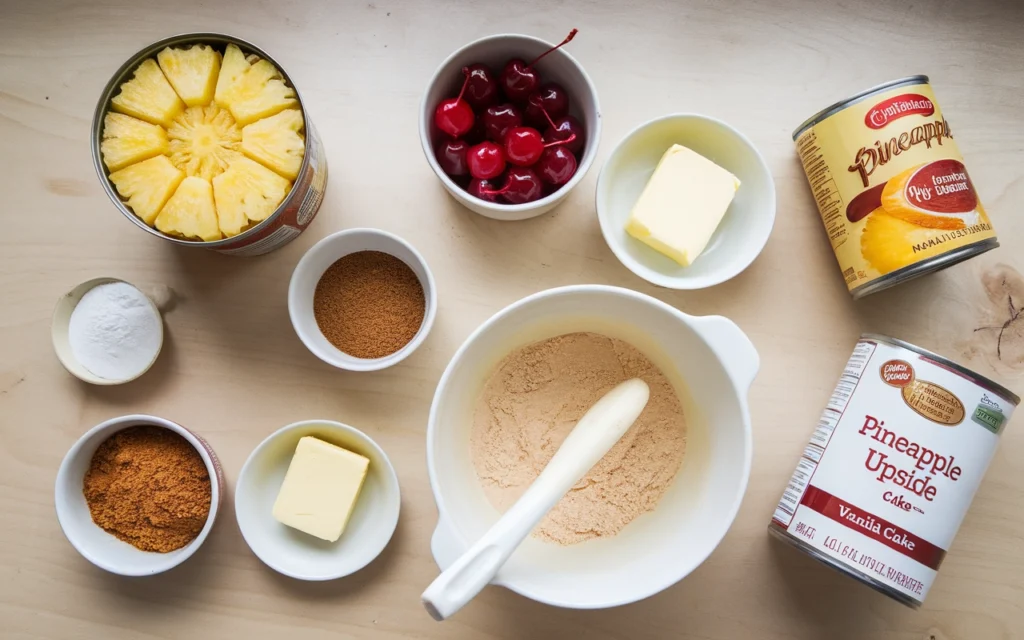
{"x": 595, "y": 433}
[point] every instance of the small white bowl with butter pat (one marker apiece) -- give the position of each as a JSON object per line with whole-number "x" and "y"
{"x": 686, "y": 201}
{"x": 317, "y": 500}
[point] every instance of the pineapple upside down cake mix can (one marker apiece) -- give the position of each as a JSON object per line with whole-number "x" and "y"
{"x": 891, "y": 186}
{"x": 893, "y": 465}
{"x": 294, "y": 213}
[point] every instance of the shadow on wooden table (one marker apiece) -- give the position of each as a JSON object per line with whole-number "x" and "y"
{"x": 809, "y": 601}
{"x": 835, "y": 604}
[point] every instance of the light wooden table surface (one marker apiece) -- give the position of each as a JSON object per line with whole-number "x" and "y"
{"x": 233, "y": 369}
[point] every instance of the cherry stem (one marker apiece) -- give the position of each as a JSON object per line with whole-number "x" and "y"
{"x": 537, "y": 102}
{"x": 572, "y": 136}
{"x": 498, "y": 192}
{"x": 572, "y": 34}
{"x": 465, "y": 83}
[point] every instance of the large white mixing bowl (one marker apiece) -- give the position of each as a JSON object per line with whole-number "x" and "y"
{"x": 712, "y": 364}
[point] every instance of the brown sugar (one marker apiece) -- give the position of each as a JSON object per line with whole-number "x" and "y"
{"x": 369, "y": 304}
{"x": 149, "y": 487}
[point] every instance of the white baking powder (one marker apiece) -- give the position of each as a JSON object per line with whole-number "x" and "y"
{"x": 114, "y": 331}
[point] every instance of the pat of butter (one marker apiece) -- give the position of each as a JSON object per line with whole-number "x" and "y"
{"x": 682, "y": 204}
{"x": 320, "y": 488}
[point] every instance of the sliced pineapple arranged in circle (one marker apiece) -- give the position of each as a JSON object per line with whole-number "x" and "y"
{"x": 148, "y": 96}
{"x": 259, "y": 92}
{"x": 204, "y": 145}
{"x": 190, "y": 213}
{"x": 275, "y": 141}
{"x": 192, "y": 72}
{"x": 246, "y": 192}
{"x": 127, "y": 140}
{"x": 148, "y": 185}
{"x": 235, "y": 63}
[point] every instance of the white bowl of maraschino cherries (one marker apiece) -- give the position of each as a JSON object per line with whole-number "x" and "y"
{"x": 510, "y": 124}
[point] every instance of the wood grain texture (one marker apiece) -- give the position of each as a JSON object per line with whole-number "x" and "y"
{"x": 234, "y": 371}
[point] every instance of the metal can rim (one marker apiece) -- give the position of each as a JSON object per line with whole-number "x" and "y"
{"x": 925, "y": 267}
{"x": 836, "y": 107}
{"x": 976, "y": 378}
{"x": 102, "y": 107}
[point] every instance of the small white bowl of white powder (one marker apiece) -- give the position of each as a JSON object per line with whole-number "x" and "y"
{"x": 106, "y": 331}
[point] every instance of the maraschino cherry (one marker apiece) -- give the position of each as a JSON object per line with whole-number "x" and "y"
{"x": 451, "y": 155}
{"x": 524, "y": 146}
{"x": 482, "y": 88}
{"x": 485, "y": 160}
{"x": 551, "y": 97}
{"x": 567, "y": 128}
{"x": 454, "y": 116}
{"x": 556, "y": 165}
{"x": 483, "y": 189}
{"x": 522, "y": 184}
{"x": 498, "y": 119}
{"x": 519, "y": 79}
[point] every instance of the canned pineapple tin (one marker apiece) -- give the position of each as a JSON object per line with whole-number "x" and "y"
{"x": 891, "y": 186}
{"x": 295, "y": 212}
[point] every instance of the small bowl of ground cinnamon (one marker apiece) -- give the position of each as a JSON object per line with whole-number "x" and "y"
{"x": 362, "y": 299}
{"x": 138, "y": 495}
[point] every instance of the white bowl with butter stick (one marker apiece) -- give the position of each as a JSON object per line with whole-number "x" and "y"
{"x": 682, "y": 207}
{"x": 317, "y": 500}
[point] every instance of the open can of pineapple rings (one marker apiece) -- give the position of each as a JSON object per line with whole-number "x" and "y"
{"x": 206, "y": 142}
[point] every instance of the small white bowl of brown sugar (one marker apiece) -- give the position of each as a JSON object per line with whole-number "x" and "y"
{"x": 362, "y": 299}
{"x": 138, "y": 494}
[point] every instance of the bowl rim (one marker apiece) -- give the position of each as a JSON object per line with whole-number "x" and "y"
{"x": 682, "y": 282}
{"x": 513, "y": 212}
{"x": 442, "y": 385}
{"x": 115, "y": 425}
{"x": 362, "y": 364}
{"x": 59, "y": 328}
{"x": 390, "y": 473}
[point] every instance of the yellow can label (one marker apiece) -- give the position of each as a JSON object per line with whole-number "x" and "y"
{"x": 890, "y": 184}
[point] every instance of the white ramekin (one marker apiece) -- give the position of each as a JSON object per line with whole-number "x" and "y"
{"x": 495, "y": 51}
{"x": 61, "y": 322}
{"x": 294, "y": 553}
{"x": 711, "y": 363}
{"x": 743, "y": 231}
{"x": 325, "y": 253}
{"x": 102, "y": 548}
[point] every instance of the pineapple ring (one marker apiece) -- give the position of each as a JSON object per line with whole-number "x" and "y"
{"x": 175, "y": 141}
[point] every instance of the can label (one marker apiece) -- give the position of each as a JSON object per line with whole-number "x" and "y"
{"x": 298, "y": 209}
{"x": 890, "y": 184}
{"x": 892, "y": 466}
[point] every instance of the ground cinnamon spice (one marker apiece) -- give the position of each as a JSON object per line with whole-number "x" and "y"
{"x": 149, "y": 487}
{"x": 369, "y": 304}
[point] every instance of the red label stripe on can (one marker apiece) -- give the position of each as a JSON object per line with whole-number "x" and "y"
{"x": 907, "y": 104}
{"x": 889, "y": 534}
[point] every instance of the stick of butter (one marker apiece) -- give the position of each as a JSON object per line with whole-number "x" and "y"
{"x": 320, "y": 488}
{"x": 682, "y": 204}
